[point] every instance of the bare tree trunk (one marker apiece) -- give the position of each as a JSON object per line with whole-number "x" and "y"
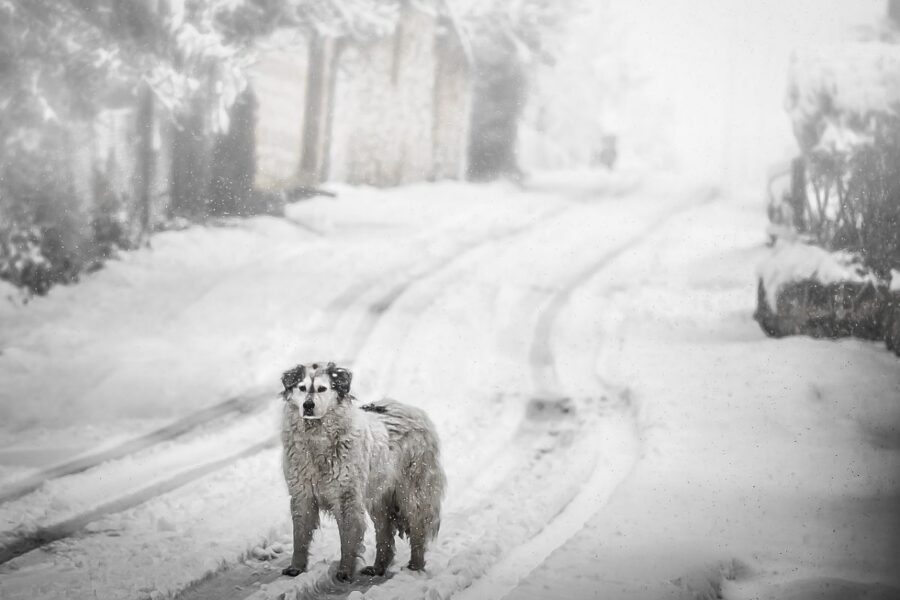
{"x": 334, "y": 57}
{"x": 146, "y": 161}
{"x": 798, "y": 192}
{"x": 317, "y": 111}
{"x": 189, "y": 172}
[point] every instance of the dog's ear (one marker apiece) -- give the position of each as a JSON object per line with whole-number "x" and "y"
{"x": 290, "y": 379}
{"x": 340, "y": 379}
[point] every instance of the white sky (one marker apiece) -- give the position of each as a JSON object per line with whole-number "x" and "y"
{"x": 722, "y": 66}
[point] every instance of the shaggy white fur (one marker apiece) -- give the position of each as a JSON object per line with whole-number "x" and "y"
{"x": 383, "y": 458}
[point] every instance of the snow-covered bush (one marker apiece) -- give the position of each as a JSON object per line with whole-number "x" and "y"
{"x": 110, "y": 231}
{"x": 42, "y": 230}
{"x": 509, "y": 41}
{"x": 843, "y": 103}
{"x": 806, "y": 290}
{"x": 829, "y": 275}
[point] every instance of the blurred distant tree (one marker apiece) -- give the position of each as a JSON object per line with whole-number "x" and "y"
{"x": 894, "y": 11}
{"x": 64, "y": 62}
{"x": 576, "y": 109}
{"x": 234, "y": 161}
{"x": 510, "y": 40}
{"x": 61, "y": 64}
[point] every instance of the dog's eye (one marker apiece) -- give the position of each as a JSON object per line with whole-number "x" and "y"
{"x": 322, "y": 388}
{"x": 302, "y": 388}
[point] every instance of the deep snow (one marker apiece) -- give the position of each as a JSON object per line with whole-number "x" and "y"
{"x": 614, "y": 423}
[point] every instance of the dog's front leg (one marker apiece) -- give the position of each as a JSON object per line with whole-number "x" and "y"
{"x": 352, "y": 528}
{"x": 384, "y": 542}
{"x": 305, "y": 517}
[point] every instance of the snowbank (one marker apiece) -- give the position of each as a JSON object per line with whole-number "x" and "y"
{"x": 790, "y": 263}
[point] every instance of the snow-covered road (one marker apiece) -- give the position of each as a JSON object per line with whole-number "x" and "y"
{"x": 614, "y": 424}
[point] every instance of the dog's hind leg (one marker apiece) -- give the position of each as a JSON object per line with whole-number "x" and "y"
{"x": 352, "y": 527}
{"x": 384, "y": 541}
{"x": 305, "y": 517}
{"x": 417, "y": 542}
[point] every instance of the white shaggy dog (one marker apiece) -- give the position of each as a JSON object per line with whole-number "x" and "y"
{"x": 383, "y": 458}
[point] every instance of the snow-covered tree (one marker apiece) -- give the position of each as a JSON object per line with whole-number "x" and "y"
{"x": 510, "y": 41}
{"x": 576, "y": 111}
{"x": 843, "y": 102}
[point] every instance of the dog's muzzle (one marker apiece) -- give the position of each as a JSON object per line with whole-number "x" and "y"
{"x": 308, "y": 407}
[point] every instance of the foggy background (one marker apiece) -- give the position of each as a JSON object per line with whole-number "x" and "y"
{"x": 638, "y": 260}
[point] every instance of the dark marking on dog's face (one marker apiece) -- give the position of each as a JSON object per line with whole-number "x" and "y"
{"x": 313, "y": 389}
{"x": 340, "y": 379}
{"x": 290, "y": 379}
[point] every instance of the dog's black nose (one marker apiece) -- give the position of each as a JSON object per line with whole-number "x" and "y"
{"x": 308, "y": 407}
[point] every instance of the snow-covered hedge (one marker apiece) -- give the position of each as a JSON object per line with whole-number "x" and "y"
{"x": 843, "y": 102}
{"x": 839, "y": 224}
{"x": 795, "y": 262}
{"x": 805, "y": 290}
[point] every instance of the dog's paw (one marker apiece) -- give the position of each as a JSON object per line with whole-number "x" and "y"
{"x": 371, "y": 571}
{"x": 343, "y": 576}
{"x": 415, "y": 566}
{"x": 291, "y": 571}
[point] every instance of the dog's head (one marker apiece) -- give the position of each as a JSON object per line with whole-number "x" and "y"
{"x": 314, "y": 389}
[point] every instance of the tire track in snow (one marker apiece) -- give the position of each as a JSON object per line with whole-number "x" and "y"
{"x": 237, "y": 405}
{"x": 233, "y": 583}
{"x": 243, "y": 404}
{"x": 615, "y": 431}
{"x": 69, "y": 527}
{"x": 543, "y": 364}
{"x": 418, "y": 307}
{"x": 585, "y": 440}
{"x": 373, "y": 312}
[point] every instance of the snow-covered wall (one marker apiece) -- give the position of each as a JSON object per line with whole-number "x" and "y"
{"x": 384, "y": 101}
{"x": 452, "y": 105}
{"x": 396, "y": 112}
{"x": 279, "y": 79}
